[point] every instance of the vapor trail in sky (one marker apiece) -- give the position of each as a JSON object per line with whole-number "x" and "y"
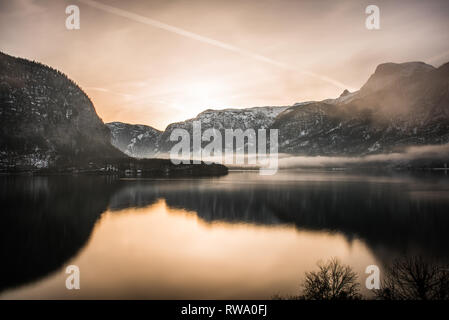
{"x": 210, "y": 41}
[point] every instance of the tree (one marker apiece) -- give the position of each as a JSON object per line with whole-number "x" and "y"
{"x": 414, "y": 278}
{"x": 333, "y": 281}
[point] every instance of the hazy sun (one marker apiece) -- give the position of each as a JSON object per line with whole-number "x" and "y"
{"x": 202, "y": 92}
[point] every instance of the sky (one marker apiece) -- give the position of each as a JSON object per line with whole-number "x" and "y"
{"x": 156, "y": 62}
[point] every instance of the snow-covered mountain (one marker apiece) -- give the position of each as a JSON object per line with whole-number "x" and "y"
{"x": 143, "y": 141}
{"x": 135, "y": 140}
{"x": 249, "y": 118}
{"x": 400, "y": 105}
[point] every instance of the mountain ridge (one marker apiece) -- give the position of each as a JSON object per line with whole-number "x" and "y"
{"x": 400, "y": 105}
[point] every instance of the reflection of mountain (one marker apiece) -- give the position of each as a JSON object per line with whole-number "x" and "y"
{"x": 210, "y": 204}
{"x": 380, "y": 213}
{"x": 44, "y": 222}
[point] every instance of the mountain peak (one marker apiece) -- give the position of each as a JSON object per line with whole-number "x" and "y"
{"x": 345, "y": 93}
{"x": 390, "y": 68}
{"x": 388, "y": 73}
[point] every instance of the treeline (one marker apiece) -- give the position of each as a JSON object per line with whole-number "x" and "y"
{"x": 6, "y": 60}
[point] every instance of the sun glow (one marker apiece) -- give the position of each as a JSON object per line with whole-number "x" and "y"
{"x": 203, "y": 93}
{"x": 193, "y": 97}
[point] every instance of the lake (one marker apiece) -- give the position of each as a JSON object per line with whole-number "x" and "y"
{"x": 238, "y": 236}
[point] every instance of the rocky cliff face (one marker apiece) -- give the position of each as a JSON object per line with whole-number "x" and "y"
{"x": 401, "y": 105}
{"x": 142, "y": 141}
{"x": 135, "y": 140}
{"x": 250, "y": 118}
{"x": 46, "y": 120}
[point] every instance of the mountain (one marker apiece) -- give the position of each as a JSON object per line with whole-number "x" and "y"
{"x": 135, "y": 140}
{"x": 142, "y": 141}
{"x": 249, "y": 118}
{"x": 48, "y": 124}
{"x": 46, "y": 120}
{"x": 400, "y": 105}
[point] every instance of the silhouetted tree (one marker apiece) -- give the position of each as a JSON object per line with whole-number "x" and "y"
{"x": 333, "y": 281}
{"x": 414, "y": 278}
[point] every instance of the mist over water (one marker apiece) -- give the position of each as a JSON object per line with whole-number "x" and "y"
{"x": 238, "y": 236}
{"x": 435, "y": 152}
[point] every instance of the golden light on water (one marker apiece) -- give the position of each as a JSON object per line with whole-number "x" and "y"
{"x": 161, "y": 252}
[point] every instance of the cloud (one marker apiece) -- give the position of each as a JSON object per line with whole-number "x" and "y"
{"x": 411, "y": 153}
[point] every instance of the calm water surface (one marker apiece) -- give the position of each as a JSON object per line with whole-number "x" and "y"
{"x": 238, "y": 236}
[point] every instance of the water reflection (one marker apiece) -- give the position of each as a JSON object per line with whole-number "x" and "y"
{"x": 239, "y": 236}
{"x": 44, "y": 222}
{"x": 403, "y": 213}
